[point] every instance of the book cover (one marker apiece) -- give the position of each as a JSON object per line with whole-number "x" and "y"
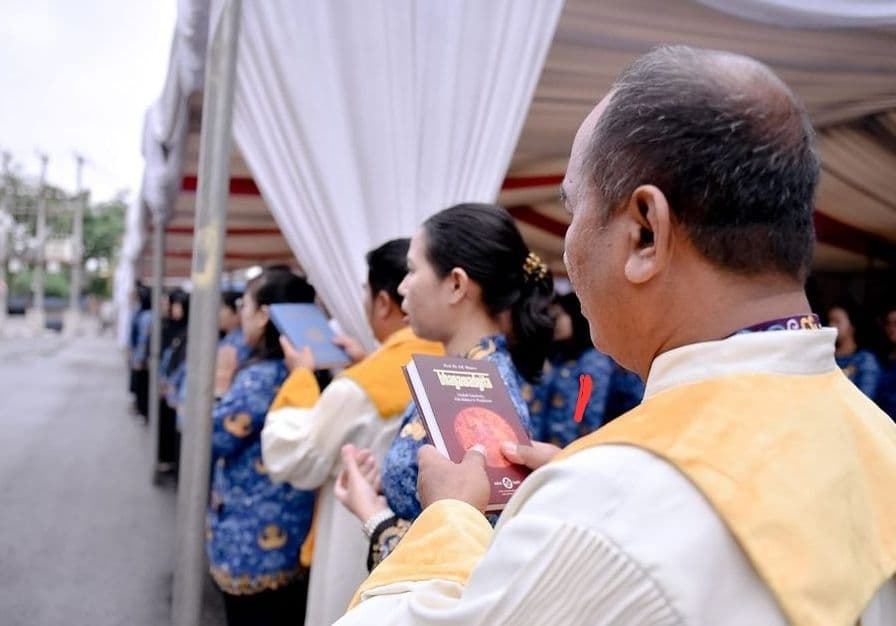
{"x": 306, "y": 325}
{"x": 463, "y": 402}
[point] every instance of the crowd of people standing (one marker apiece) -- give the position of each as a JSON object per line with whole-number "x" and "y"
{"x": 322, "y": 478}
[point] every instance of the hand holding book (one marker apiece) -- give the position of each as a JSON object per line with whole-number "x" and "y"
{"x": 306, "y": 326}
{"x": 533, "y": 457}
{"x": 468, "y": 481}
{"x": 462, "y": 403}
{"x": 440, "y": 478}
{"x": 294, "y": 358}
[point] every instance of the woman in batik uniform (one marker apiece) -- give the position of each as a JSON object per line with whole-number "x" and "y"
{"x": 255, "y": 527}
{"x": 473, "y": 285}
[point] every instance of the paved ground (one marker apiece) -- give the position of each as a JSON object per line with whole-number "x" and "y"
{"x": 84, "y": 536}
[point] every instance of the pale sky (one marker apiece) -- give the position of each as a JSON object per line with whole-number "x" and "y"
{"x": 78, "y": 75}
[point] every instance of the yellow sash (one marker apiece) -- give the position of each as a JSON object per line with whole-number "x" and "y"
{"x": 380, "y": 375}
{"x": 801, "y": 470}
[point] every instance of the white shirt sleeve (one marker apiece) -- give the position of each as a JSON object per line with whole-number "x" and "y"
{"x": 302, "y": 445}
{"x": 541, "y": 568}
{"x": 538, "y": 571}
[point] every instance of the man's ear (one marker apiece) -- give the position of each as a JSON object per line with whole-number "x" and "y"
{"x": 648, "y": 226}
{"x": 382, "y": 305}
{"x": 458, "y": 283}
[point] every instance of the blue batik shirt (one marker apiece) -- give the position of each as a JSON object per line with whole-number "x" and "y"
{"x": 255, "y": 527}
{"x": 235, "y": 338}
{"x": 399, "y": 476}
{"x": 143, "y": 328}
{"x": 552, "y": 402}
{"x": 172, "y": 379}
{"x": 243, "y": 352}
{"x": 862, "y": 369}
{"x": 626, "y": 392}
{"x": 175, "y": 390}
{"x": 886, "y": 388}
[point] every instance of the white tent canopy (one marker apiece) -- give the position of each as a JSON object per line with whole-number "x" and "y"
{"x": 323, "y": 159}
{"x": 811, "y": 13}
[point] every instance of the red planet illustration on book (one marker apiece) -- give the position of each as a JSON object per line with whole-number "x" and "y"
{"x": 476, "y": 424}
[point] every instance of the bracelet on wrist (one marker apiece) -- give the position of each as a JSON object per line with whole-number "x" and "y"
{"x": 375, "y": 520}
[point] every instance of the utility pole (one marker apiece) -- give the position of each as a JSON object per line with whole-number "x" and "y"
{"x": 41, "y": 236}
{"x": 5, "y": 226}
{"x": 77, "y": 268}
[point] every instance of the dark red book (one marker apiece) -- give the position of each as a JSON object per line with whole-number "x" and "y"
{"x": 463, "y": 402}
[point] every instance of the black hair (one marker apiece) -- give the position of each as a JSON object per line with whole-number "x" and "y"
{"x": 178, "y": 331}
{"x": 727, "y": 143}
{"x": 483, "y": 240}
{"x": 144, "y": 297}
{"x": 274, "y": 285}
{"x": 172, "y": 328}
{"x": 574, "y": 346}
{"x": 183, "y": 298}
{"x": 386, "y": 268}
{"x": 229, "y": 299}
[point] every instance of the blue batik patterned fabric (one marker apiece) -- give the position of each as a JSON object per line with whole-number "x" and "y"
{"x": 140, "y": 351}
{"x": 172, "y": 379}
{"x": 886, "y": 387}
{"x": 243, "y": 352}
{"x": 552, "y": 402}
{"x": 235, "y": 338}
{"x": 176, "y": 383}
{"x": 255, "y": 527}
{"x": 626, "y": 392}
{"x": 399, "y": 476}
{"x": 862, "y": 369}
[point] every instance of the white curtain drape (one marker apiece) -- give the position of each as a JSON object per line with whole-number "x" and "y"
{"x": 125, "y": 271}
{"x": 360, "y": 119}
{"x": 164, "y": 134}
{"x": 811, "y": 13}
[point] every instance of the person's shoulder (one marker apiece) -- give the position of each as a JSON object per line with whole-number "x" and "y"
{"x": 264, "y": 370}
{"x": 652, "y": 513}
{"x": 623, "y": 491}
{"x": 611, "y": 475}
{"x": 344, "y": 386}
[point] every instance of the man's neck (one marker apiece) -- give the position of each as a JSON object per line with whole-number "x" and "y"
{"x": 730, "y": 311}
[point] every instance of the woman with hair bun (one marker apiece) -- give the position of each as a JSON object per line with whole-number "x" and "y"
{"x": 473, "y": 285}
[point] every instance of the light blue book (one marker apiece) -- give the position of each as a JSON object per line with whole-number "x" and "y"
{"x": 306, "y": 325}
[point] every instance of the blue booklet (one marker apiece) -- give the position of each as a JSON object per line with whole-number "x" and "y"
{"x": 306, "y": 325}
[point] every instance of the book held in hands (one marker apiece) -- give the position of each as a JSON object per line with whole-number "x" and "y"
{"x": 306, "y": 325}
{"x": 464, "y": 402}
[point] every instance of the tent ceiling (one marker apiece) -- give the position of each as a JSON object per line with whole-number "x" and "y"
{"x": 846, "y": 77}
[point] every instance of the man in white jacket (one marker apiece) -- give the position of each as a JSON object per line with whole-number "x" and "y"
{"x": 306, "y": 429}
{"x": 752, "y": 486}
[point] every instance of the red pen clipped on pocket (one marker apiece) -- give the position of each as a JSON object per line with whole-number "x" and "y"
{"x": 584, "y": 396}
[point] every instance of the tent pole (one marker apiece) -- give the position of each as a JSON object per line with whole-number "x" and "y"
{"x": 202, "y": 340}
{"x": 155, "y": 339}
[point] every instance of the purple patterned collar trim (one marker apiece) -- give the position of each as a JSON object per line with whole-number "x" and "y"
{"x": 808, "y": 321}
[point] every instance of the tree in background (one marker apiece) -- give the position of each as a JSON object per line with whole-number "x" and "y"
{"x": 103, "y": 230}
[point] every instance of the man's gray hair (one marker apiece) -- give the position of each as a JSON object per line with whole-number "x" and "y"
{"x": 729, "y": 145}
